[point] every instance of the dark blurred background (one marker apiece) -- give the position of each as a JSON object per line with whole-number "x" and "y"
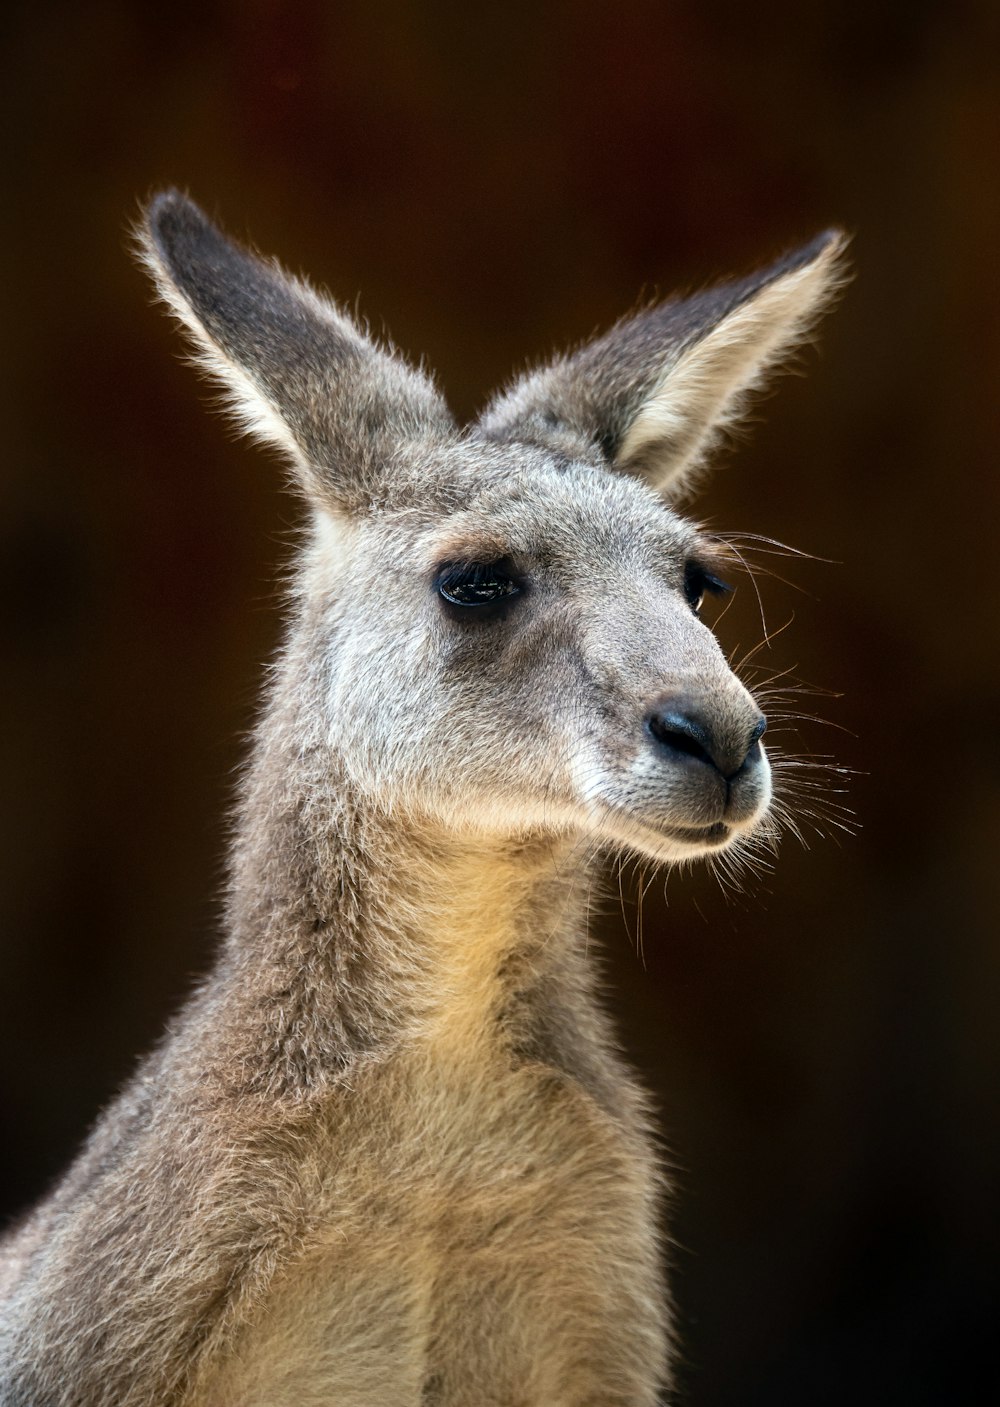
{"x": 495, "y": 183}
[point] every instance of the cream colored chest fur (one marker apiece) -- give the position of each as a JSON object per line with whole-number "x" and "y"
{"x": 493, "y": 1210}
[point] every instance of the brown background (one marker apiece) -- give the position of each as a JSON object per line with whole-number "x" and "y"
{"x": 497, "y": 182}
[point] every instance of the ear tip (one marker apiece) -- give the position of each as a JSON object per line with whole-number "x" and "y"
{"x": 170, "y": 215}
{"x": 822, "y": 256}
{"x": 829, "y": 244}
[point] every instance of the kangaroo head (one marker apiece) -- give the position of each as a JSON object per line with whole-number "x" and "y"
{"x": 498, "y": 626}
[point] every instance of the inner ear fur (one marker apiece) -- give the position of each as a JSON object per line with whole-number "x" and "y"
{"x": 296, "y": 371}
{"x": 654, "y": 393}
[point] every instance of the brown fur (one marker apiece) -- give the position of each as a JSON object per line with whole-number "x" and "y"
{"x": 388, "y": 1153}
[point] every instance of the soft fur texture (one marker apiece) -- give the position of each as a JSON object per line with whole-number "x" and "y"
{"x": 388, "y": 1153}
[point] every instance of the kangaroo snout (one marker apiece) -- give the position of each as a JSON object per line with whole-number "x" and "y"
{"x": 685, "y": 730}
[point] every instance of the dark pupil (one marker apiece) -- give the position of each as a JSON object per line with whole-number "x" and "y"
{"x": 480, "y": 585}
{"x": 698, "y": 582}
{"x": 694, "y": 586}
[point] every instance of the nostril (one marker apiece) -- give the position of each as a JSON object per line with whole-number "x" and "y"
{"x": 684, "y": 732}
{"x": 681, "y": 734}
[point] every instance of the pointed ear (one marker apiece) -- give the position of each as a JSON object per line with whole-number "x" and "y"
{"x": 653, "y": 394}
{"x": 295, "y": 370}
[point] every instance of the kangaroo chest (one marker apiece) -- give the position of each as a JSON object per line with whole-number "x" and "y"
{"x": 460, "y": 1213}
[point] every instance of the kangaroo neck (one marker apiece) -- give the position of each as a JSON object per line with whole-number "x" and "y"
{"x": 357, "y": 928}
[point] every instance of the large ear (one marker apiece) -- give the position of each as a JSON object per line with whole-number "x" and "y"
{"x": 654, "y": 392}
{"x": 296, "y": 371}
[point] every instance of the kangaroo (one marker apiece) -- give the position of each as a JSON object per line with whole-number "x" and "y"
{"x": 388, "y": 1154}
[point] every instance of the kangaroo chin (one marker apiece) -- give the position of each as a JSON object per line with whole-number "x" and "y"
{"x": 388, "y": 1152}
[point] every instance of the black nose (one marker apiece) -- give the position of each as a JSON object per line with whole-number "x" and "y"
{"x": 683, "y": 729}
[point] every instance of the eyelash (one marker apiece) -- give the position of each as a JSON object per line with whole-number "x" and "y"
{"x": 699, "y": 583}
{"x": 478, "y": 587}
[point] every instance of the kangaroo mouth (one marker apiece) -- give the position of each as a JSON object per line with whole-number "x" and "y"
{"x": 665, "y": 841}
{"x": 717, "y": 834}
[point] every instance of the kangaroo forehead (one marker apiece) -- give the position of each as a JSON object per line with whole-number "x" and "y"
{"x": 534, "y": 504}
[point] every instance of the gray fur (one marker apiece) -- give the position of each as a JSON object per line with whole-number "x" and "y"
{"x": 388, "y": 1153}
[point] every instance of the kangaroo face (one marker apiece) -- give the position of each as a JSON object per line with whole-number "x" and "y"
{"x": 536, "y": 661}
{"x": 505, "y": 617}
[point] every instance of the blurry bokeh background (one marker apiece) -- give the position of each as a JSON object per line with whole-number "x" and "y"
{"x": 496, "y": 182}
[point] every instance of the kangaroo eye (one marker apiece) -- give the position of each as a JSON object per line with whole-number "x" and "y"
{"x": 699, "y": 583}
{"x": 477, "y": 584}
